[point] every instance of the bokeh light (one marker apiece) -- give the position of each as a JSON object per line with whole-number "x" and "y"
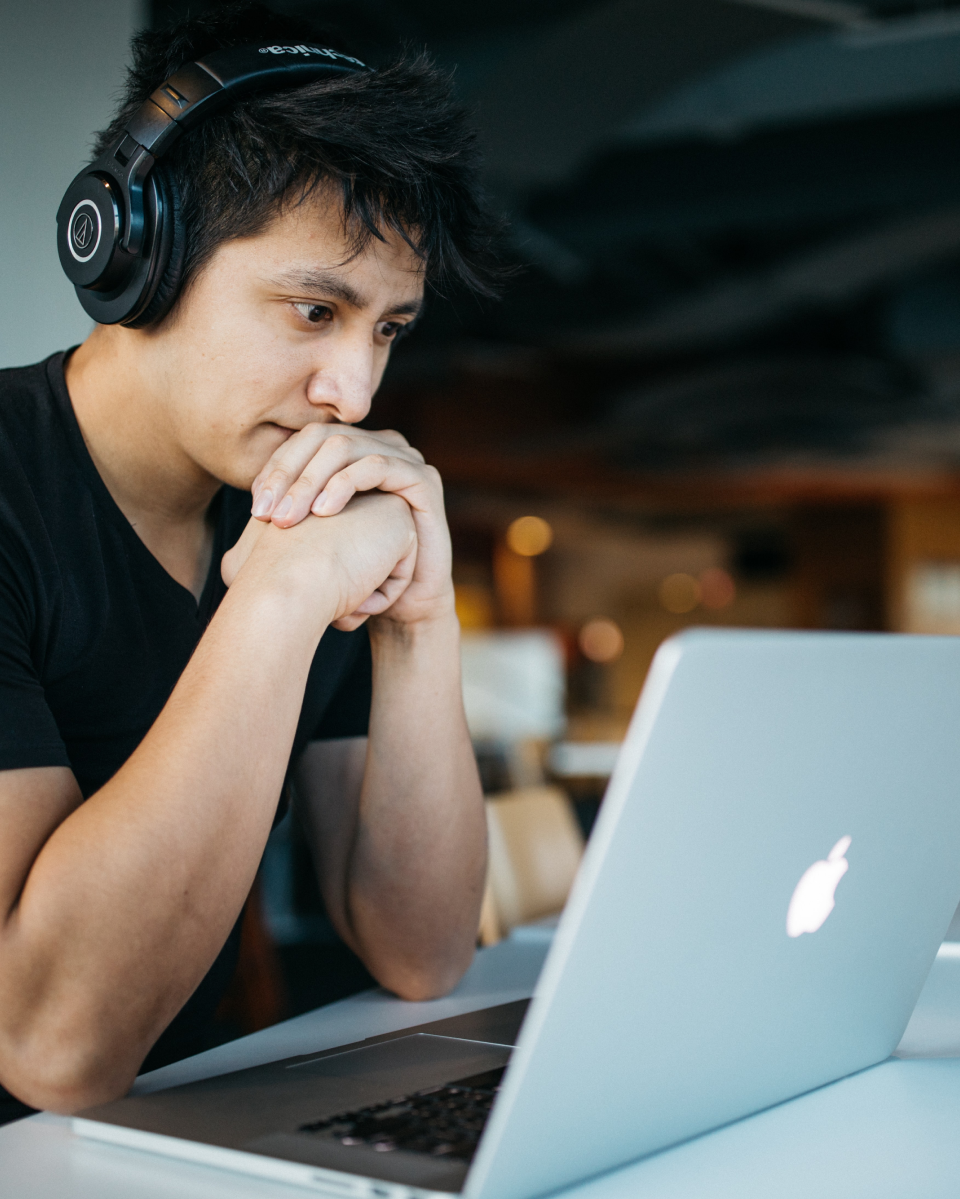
{"x": 679, "y": 593}
{"x": 717, "y": 588}
{"x": 529, "y": 536}
{"x": 475, "y": 606}
{"x": 601, "y": 640}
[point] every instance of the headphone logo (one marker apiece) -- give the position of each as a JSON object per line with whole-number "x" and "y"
{"x": 82, "y": 230}
{"x": 85, "y": 231}
{"x": 308, "y": 50}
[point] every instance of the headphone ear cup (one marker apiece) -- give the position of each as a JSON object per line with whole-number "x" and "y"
{"x": 170, "y": 248}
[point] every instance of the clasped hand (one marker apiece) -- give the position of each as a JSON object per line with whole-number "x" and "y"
{"x": 317, "y": 472}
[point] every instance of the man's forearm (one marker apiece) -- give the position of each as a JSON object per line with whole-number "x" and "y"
{"x": 131, "y": 898}
{"x": 416, "y": 871}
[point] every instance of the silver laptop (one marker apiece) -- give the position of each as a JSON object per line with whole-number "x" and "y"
{"x": 775, "y": 863}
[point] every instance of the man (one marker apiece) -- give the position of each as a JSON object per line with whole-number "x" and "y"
{"x": 149, "y": 715}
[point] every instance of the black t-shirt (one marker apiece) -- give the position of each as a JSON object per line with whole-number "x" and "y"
{"x": 94, "y": 633}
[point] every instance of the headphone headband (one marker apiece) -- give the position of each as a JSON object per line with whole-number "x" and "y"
{"x": 115, "y": 231}
{"x": 200, "y": 88}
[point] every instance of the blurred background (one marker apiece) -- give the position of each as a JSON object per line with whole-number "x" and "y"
{"x": 722, "y": 389}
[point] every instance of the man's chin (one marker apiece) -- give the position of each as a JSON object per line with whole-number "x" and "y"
{"x": 241, "y": 471}
{"x": 233, "y": 475}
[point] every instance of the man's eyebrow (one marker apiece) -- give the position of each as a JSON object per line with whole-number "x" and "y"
{"x": 325, "y": 283}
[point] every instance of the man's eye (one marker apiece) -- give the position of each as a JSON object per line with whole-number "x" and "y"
{"x": 393, "y": 329}
{"x": 314, "y": 313}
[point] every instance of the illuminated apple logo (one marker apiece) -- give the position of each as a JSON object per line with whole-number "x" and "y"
{"x": 813, "y": 901}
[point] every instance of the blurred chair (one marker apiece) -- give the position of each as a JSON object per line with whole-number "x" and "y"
{"x": 535, "y": 848}
{"x": 255, "y": 998}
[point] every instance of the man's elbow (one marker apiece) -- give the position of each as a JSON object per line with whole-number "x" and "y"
{"x": 63, "y": 1080}
{"x": 419, "y": 987}
{"x": 419, "y": 981}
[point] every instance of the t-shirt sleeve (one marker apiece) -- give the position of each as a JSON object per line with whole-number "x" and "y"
{"x": 348, "y": 712}
{"x": 28, "y": 732}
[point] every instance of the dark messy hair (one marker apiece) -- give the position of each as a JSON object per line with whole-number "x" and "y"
{"x": 394, "y": 144}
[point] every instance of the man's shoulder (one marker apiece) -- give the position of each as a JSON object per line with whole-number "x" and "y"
{"x": 39, "y": 477}
{"x": 24, "y": 381}
{"x": 28, "y": 401}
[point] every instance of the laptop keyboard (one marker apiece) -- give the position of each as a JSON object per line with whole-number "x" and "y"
{"x": 444, "y": 1121}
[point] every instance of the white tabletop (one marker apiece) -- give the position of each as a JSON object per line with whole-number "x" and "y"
{"x": 889, "y": 1131}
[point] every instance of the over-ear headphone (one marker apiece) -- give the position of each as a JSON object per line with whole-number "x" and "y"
{"x": 119, "y": 233}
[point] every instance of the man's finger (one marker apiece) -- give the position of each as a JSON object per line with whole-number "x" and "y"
{"x": 375, "y": 472}
{"x": 296, "y": 451}
{"x": 347, "y": 624}
{"x": 385, "y": 596}
{"x": 390, "y": 589}
{"x": 335, "y": 453}
{"x": 392, "y": 437}
{"x": 286, "y": 464}
{"x": 300, "y": 476}
{"x": 332, "y": 479}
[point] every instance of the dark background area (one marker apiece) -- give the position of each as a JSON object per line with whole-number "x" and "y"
{"x": 739, "y": 225}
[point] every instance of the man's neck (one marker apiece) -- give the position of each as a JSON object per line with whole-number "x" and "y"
{"x": 118, "y": 398}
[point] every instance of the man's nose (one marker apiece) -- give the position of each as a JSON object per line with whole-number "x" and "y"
{"x": 342, "y": 383}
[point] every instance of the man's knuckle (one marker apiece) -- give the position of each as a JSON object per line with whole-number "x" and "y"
{"x": 306, "y": 482}
{"x": 278, "y": 477}
{"x": 368, "y": 464}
